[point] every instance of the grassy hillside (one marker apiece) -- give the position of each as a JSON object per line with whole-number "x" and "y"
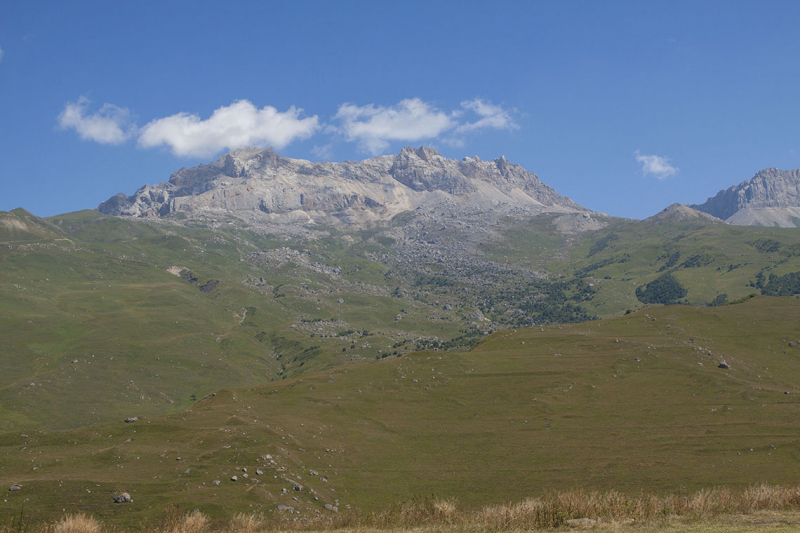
{"x": 118, "y": 316}
{"x": 102, "y": 316}
{"x": 713, "y": 261}
{"x": 631, "y": 403}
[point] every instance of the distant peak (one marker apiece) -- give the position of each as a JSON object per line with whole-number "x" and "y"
{"x": 770, "y": 188}
{"x": 423, "y": 152}
{"x": 261, "y": 185}
{"x": 247, "y": 152}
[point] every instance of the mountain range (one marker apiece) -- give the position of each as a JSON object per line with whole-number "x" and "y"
{"x": 260, "y": 186}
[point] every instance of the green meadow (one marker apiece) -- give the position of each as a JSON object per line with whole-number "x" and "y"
{"x": 632, "y": 403}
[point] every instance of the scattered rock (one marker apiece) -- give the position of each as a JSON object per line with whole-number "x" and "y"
{"x": 313, "y": 473}
{"x": 235, "y": 478}
{"x": 581, "y": 522}
{"x": 131, "y": 420}
{"x": 210, "y": 286}
{"x": 723, "y": 364}
{"x": 331, "y": 508}
{"x": 288, "y": 508}
{"x": 216, "y": 482}
{"x": 15, "y": 487}
{"x": 298, "y": 487}
{"x": 123, "y": 498}
{"x": 259, "y": 472}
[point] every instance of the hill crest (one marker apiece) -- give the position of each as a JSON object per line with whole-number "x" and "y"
{"x": 681, "y": 213}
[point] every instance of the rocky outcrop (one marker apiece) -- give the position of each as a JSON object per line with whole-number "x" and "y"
{"x": 770, "y": 198}
{"x": 260, "y": 185}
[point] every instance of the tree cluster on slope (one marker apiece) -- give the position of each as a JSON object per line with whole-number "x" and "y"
{"x": 665, "y": 289}
{"x": 786, "y": 285}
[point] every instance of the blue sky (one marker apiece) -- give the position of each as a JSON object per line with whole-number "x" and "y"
{"x": 624, "y": 106}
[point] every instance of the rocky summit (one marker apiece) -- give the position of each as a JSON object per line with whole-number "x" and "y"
{"x": 770, "y": 198}
{"x": 259, "y": 185}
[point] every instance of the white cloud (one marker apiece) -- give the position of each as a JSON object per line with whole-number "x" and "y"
{"x": 374, "y": 126}
{"x": 239, "y": 124}
{"x": 656, "y": 165}
{"x": 109, "y": 125}
{"x": 1, "y": 54}
{"x": 492, "y": 116}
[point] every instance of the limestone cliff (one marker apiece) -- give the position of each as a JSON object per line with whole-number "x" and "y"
{"x": 770, "y": 198}
{"x": 258, "y": 184}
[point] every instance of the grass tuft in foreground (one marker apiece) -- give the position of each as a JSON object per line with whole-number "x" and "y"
{"x": 707, "y": 508}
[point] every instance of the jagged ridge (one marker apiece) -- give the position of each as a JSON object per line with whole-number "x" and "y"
{"x": 258, "y": 183}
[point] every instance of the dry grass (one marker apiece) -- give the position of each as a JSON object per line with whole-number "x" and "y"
{"x": 177, "y": 522}
{"x": 608, "y": 509}
{"x": 77, "y": 523}
{"x": 555, "y": 509}
{"x": 246, "y": 523}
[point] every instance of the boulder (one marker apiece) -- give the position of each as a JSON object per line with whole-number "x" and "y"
{"x": 477, "y": 316}
{"x": 123, "y": 498}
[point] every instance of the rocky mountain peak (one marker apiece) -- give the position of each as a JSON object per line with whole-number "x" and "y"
{"x": 259, "y": 184}
{"x": 425, "y": 153}
{"x": 770, "y": 198}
